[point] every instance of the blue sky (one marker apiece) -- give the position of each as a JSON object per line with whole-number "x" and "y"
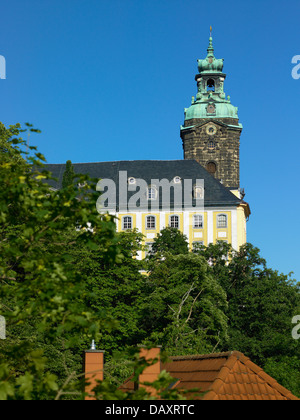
{"x": 108, "y": 80}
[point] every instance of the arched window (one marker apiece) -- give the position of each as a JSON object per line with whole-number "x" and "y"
{"x": 211, "y": 167}
{"x": 210, "y": 85}
{"x": 197, "y": 221}
{"x": 174, "y": 222}
{"x": 151, "y": 222}
{"x": 221, "y": 221}
{"x": 198, "y": 193}
{"x": 127, "y": 223}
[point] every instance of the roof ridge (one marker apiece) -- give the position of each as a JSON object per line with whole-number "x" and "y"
{"x": 203, "y": 356}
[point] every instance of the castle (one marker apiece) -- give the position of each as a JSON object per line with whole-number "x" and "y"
{"x": 201, "y": 194}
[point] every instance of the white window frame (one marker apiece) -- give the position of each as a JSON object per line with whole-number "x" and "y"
{"x": 151, "y": 193}
{"x": 171, "y": 222}
{"x": 194, "y": 224}
{"x": 127, "y": 222}
{"x": 153, "y": 218}
{"x": 221, "y": 224}
{"x": 198, "y": 193}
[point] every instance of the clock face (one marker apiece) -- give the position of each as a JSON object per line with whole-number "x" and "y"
{"x": 211, "y": 130}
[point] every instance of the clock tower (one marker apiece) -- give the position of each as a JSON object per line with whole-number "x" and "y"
{"x": 211, "y": 130}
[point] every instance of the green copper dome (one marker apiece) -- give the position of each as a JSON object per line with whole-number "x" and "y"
{"x": 210, "y": 63}
{"x": 210, "y": 101}
{"x": 218, "y": 110}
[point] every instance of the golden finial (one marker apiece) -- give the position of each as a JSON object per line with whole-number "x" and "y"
{"x": 210, "y": 30}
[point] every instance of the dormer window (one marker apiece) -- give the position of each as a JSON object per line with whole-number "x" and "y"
{"x": 131, "y": 181}
{"x": 198, "y": 193}
{"x": 177, "y": 180}
{"x": 152, "y": 193}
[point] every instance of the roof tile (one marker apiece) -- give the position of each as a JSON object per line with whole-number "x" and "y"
{"x": 224, "y": 376}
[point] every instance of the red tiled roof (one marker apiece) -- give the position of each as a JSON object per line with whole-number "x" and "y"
{"x": 223, "y": 376}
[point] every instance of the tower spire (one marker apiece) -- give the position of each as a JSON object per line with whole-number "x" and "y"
{"x": 210, "y": 49}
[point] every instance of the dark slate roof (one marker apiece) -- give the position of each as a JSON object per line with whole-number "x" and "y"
{"x": 215, "y": 193}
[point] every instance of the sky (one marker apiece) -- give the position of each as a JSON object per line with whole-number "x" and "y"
{"x": 108, "y": 80}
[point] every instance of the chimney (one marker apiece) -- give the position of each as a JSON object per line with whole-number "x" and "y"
{"x": 93, "y": 368}
{"x": 151, "y": 373}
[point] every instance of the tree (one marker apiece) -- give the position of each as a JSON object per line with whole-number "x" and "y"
{"x": 261, "y": 305}
{"x": 184, "y": 310}
{"x": 170, "y": 240}
{"x": 40, "y": 296}
{"x": 69, "y": 175}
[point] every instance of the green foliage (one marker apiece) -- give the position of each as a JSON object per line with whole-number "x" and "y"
{"x": 69, "y": 175}
{"x": 63, "y": 284}
{"x": 261, "y": 305}
{"x": 184, "y": 307}
{"x": 171, "y": 241}
{"x": 37, "y": 286}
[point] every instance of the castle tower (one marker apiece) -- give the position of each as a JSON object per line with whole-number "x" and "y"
{"x": 211, "y": 130}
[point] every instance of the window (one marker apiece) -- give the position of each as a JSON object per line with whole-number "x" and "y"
{"x": 151, "y": 193}
{"x": 211, "y": 145}
{"x": 210, "y": 85}
{"x": 174, "y": 222}
{"x": 211, "y": 167}
{"x": 151, "y": 222}
{"x": 197, "y": 221}
{"x": 177, "y": 180}
{"x": 127, "y": 222}
{"x": 131, "y": 181}
{"x": 221, "y": 221}
{"x": 198, "y": 193}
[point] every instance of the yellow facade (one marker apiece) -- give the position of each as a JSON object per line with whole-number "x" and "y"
{"x": 217, "y": 225}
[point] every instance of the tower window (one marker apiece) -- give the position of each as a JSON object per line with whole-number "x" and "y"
{"x": 222, "y": 221}
{"x": 211, "y": 145}
{"x": 210, "y": 85}
{"x": 174, "y": 222}
{"x": 211, "y": 167}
